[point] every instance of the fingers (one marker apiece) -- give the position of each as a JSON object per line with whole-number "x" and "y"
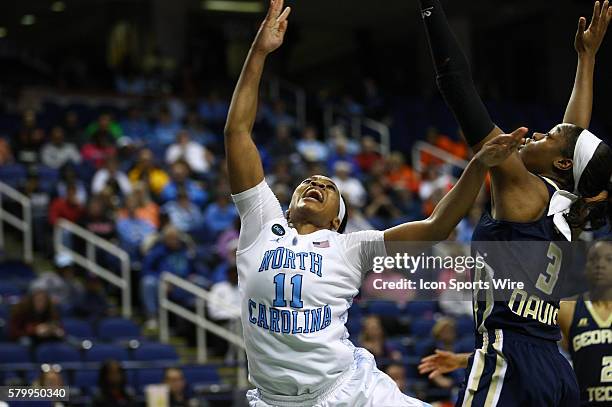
{"x": 519, "y": 134}
{"x": 434, "y": 374}
{"x": 581, "y": 26}
{"x": 275, "y": 9}
{"x": 285, "y": 14}
{"x": 596, "y": 14}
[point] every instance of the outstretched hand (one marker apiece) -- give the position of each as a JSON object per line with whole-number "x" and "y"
{"x": 588, "y": 40}
{"x": 439, "y": 363}
{"x": 498, "y": 149}
{"x": 272, "y": 31}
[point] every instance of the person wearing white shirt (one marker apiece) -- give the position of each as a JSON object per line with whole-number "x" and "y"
{"x": 110, "y": 173}
{"x": 196, "y": 155}
{"x": 57, "y": 153}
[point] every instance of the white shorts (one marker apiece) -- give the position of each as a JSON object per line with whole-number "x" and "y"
{"x": 363, "y": 386}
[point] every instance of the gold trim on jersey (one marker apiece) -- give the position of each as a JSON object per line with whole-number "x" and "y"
{"x": 596, "y": 317}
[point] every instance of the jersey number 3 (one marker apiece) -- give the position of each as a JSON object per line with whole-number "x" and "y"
{"x": 546, "y": 283}
{"x": 296, "y": 297}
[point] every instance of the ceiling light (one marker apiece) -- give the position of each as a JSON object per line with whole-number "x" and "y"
{"x": 58, "y": 6}
{"x": 3, "y": 32}
{"x": 28, "y": 19}
{"x": 233, "y": 6}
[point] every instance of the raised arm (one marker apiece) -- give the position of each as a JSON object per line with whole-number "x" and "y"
{"x": 457, "y": 203}
{"x": 587, "y": 44}
{"x": 243, "y": 161}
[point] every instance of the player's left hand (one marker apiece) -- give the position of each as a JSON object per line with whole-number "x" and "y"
{"x": 588, "y": 40}
{"x": 497, "y": 150}
{"x": 272, "y": 31}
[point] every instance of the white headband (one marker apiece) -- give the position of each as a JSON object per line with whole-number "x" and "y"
{"x": 562, "y": 201}
{"x": 342, "y": 208}
{"x": 585, "y": 149}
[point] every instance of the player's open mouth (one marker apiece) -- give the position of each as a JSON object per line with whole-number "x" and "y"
{"x": 314, "y": 194}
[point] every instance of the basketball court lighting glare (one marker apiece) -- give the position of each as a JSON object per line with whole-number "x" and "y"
{"x": 58, "y": 6}
{"x": 233, "y": 6}
{"x": 28, "y": 19}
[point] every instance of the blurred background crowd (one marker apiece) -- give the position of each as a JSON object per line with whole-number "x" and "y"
{"x": 122, "y": 134}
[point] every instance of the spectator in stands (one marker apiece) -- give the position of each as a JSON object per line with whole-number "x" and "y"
{"x": 39, "y": 201}
{"x": 198, "y": 131}
{"x": 35, "y": 319}
{"x": 165, "y": 130}
{"x": 146, "y": 171}
{"x": 350, "y": 187}
{"x": 282, "y": 145}
{"x": 310, "y": 147}
{"x": 400, "y": 174}
{"x": 194, "y": 154}
{"x": 180, "y": 179}
{"x": 444, "y": 334}
{"x": 356, "y": 220}
{"x": 221, "y": 213}
{"x": 67, "y": 207}
{"x": 281, "y": 173}
{"x": 132, "y": 230}
{"x": 369, "y": 154}
{"x": 171, "y": 254}
{"x": 65, "y": 290}
{"x": 99, "y": 149}
{"x": 112, "y": 176}
{"x": 72, "y": 128}
{"x": 340, "y": 153}
{"x": 380, "y": 209}
{"x": 183, "y": 214}
{"x": 146, "y": 209}
{"x": 213, "y": 109}
{"x": 465, "y": 228}
{"x": 180, "y": 394}
{"x": 397, "y": 372}
{"x": 373, "y": 338}
{"x": 278, "y": 116}
{"x": 68, "y": 176}
{"x": 97, "y": 219}
{"x": 104, "y": 127}
{"x": 29, "y": 139}
{"x": 94, "y": 302}
{"x": 57, "y": 152}
{"x": 6, "y": 153}
{"x": 135, "y": 126}
{"x": 408, "y": 204}
{"x": 49, "y": 378}
{"x": 112, "y": 387}
{"x": 225, "y": 239}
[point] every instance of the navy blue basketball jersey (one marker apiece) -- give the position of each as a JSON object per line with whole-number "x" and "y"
{"x": 531, "y": 253}
{"x": 590, "y": 345}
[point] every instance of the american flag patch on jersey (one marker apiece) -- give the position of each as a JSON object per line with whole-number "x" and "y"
{"x": 321, "y": 245}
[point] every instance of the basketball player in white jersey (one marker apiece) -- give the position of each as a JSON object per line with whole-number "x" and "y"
{"x": 298, "y": 274}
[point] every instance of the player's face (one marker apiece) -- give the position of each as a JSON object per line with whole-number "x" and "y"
{"x": 599, "y": 265}
{"x": 543, "y": 151}
{"x": 316, "y": 200}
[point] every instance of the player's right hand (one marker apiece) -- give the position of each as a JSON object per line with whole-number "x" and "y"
{"x": 498, "y": 149}
{"x": 588, "y": 40}
{"x": 441, "y": 362}
{"x": 272, "y": 31}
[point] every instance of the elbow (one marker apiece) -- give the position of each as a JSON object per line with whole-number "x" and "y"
{"x": 438, "y": 230}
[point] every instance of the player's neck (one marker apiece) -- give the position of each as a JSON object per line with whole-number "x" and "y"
{"x": 601, "y": 296}
{"x": 306, "y": 228}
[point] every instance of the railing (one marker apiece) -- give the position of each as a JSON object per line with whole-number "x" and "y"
{"x": 278, "y": 86}
{"x": 198, "y": 318}
{"x": 421, "y": 147}
{"x": 89, "y": 262}
{"x": 24, "y": 224}
{"x": 357, "y": 125}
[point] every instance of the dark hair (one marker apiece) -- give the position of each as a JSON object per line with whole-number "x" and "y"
{"x": 103, "y": 383}
{"x": 342, "y": 226}
{"x": 596, "y": 178}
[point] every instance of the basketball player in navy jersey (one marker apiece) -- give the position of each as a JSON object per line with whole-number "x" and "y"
{"x": 297, "y": 271}
{"x": 586, "y": 323}
{"x": 554, "y": 187}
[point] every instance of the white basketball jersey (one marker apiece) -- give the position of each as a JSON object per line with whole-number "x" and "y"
{"x": 295, "y": 292}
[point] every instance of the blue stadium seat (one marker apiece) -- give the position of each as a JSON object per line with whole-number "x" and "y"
{"x": 422, "y": 327}
{"x": 465, "y": 326}
{"x": 78, "y": 328}
{"x": 10, "y": 289}
{"x": 384, "y": 308}
{"x": 423, "y": 346}
{"x": 16, "y": 270}
{"x": 14, "y": 353}
{"x": 86, "y": 380}
{"x": 466, "y": 344}
{"x": 110, "y": 329}
{"x": 155, "y": 352}
{"x": 57, "y": 353}
{"x": 101, "y": 352}
{"x": 12, "y": 174}
{"x": 199, "y": 375}
{"x": 144, "y": 377}
{"x": 420, "y": 309}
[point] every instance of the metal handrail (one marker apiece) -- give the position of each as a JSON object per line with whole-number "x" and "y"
{"x": 357, "y": 123}
{"x": 199, "y": 319}
{"x": 88, "y": 262}
{"x": 422, "y": 146}
{"x": 24, "y": 224}
{"x": 299, "y": 94}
